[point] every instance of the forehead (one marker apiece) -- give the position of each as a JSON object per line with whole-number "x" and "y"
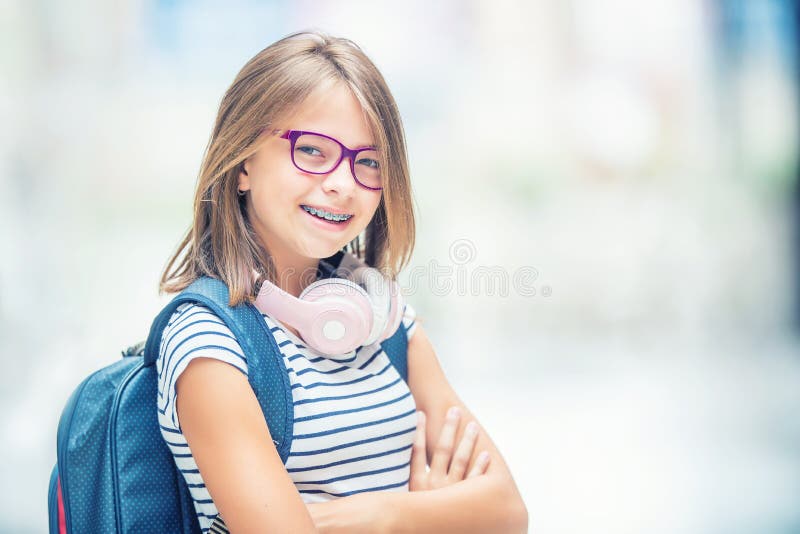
{"x": 335, "y": 111}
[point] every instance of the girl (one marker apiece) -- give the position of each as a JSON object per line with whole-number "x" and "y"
{"x": 307, "y": 157}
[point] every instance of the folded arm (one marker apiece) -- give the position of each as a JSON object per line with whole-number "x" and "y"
{"x": 487, "y": 503}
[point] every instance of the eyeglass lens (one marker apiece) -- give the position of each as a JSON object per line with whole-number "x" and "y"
{"x": 317, "y": 154}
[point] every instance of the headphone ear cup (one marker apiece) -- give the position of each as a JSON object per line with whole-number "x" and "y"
{"x": 378, "y": 289}
{"x": 345, "y": 322}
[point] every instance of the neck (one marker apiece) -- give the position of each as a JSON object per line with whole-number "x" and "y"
{"x": 294, "y": 274}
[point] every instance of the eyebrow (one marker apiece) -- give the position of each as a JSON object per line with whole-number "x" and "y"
{"x": 356, "y": 145}
{"x": 312, "y": 130}
{"x": 375, "y": 145}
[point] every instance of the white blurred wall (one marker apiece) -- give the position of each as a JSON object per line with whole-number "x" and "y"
{"x": 647, "y": 386}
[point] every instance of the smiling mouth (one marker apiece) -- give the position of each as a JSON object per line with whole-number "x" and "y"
{"x": 334, "y": 218}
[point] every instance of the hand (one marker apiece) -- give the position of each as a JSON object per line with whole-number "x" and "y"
{"x": 362, "y": 513}
{"x": 447, "y": 467}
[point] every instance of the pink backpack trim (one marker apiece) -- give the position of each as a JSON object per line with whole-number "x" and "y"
{"x": 62, "y": 520}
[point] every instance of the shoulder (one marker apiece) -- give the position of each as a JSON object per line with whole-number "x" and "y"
{"x": 192, "y": 332}
{"x": 409, "y": 320}
{"x": 194, "y": 329}
{"x": 191, "y": 316}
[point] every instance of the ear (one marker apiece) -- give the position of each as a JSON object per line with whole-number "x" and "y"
{"x": 244, "y": 177}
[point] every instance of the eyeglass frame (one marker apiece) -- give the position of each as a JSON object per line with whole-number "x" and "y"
{"x": 346, "y": 152}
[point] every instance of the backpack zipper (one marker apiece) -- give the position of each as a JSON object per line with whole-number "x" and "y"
{"x": 62, "y": 436}
{"x": 112, "y": 427}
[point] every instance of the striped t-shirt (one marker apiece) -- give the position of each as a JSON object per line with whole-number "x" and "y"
{"x": 354, "y": 416}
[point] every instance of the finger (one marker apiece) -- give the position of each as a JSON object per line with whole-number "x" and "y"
{"x": 443, "y": 451}
{"x": 463, "y": 453}
{"x": 481, "y": 465}
{"x": 418, "y": 459}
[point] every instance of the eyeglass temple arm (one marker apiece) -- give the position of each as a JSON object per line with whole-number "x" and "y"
{"x": 276, "y": 131}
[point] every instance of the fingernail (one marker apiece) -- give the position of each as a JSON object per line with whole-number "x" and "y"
{"x": 483, "y": 457}
{"x": 454, "y": 412}
{"x": 472, "y": 428}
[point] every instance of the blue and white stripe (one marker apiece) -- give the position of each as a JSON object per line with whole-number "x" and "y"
{"x": 354, "y": 416}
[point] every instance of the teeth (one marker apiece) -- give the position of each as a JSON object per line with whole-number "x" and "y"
{"x": 326, "y": 215}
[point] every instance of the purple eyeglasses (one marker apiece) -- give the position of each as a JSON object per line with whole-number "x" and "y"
{"x": 317, "y": 153}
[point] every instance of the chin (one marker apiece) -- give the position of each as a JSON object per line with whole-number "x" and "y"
{"x": 320, "y": 251}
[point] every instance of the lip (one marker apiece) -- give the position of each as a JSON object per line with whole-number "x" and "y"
{"x": 322, "y": 223}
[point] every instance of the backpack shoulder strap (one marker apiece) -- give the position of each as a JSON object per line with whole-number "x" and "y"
{"x": 396, "y": 347}
{"x": 266, "y": 370}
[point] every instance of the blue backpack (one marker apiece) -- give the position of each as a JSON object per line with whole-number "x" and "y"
{"x": 114, "y": 472}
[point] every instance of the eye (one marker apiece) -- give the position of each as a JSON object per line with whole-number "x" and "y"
{"x": 309, "y": 150}
{"x": 368, "y": 162}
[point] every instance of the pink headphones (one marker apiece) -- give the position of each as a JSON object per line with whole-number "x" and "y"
{"x": 355, "y": 306}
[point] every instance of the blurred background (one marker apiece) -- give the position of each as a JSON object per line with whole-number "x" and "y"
{"x": 610, "y": 188}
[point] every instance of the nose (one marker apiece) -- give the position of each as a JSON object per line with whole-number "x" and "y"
{"x": 340, "y": 179}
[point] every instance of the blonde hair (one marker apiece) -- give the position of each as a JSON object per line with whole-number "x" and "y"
{"x": 221, "y": 242}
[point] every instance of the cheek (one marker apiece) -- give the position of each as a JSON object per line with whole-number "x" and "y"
{"x": 370, "y": 207}
{"x": 275, "y": 185}
{"x": 373, "y": 201}
{"x": 268, "y": 201}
